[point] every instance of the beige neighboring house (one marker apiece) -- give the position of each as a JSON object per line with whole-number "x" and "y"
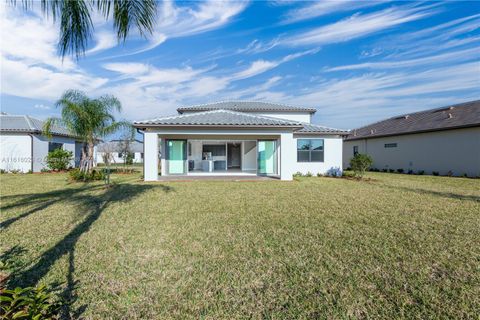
{"x": 439, "y": 140}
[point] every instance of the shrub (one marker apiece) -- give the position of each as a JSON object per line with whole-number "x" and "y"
{"x": 319, "y": 175}
{"x": 450, "y": 173}
{"x": 360, "y": 163}
{"x": 400, "y": 170}
{"x": 45, "y": 170}
{"x": 421, "y": 172}
{"x": 384, "y": 170}
{"x": 129, "y": 158}
{"x": 391, "y": 170}
{"x": 298, "y": 174}
{"x": 435, "y": 173}
{"x": 465, "y": 175}
{"x": 308, "y": 174}
{"x": 2, "y": 171}
{"x": 410, "y": 171}
{"x": 29, "y": 303}
{"x": 59, "y": 159}
{"x": 77, "y": 175}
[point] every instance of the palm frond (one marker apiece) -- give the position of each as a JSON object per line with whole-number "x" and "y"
{"x": 49, "y": 124}
{"x": 141, "y": 13}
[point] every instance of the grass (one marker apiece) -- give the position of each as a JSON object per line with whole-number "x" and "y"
{"x": 397, "y": 246}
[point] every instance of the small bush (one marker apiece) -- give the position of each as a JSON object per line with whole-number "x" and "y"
{"x": 360, "y": 163}
{"x": 319, "y": 175}
{"x": 421, "y": 172}
{"x": 435, "y": 173}
{"x": 29, "y": 303}
{"x": 2, "y": 171}
{"x": 410, "y": 171}
{"x": 384, "y": 170}
{"x": 465, "y": 175}
{"x": 400, "y": 170}
{"x": 308, "y": 174}
{"x": 391, "y": 170}
{"x": 129, "y": 158}
{"x": 59, "y": 159}
{"x": 450, "y": 173}
{"x": 298, "y": 174}
{"x": 45, "y": 170}
{"x": 77, "y": 175}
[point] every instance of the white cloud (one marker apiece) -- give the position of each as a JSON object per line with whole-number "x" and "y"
{"x": 179, "y": 21}
{"x": 454, "y": 56}
{"x": 358, "y": 26}
{"x": 42, "y": 107}
{"x": 316, "y": 9}
{"x": 104, "y": 39}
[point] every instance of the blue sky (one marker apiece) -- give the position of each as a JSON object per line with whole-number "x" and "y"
{"x": 355, "y": 61}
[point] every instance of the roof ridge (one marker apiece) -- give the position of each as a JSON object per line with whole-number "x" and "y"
{"x": 320, "y": 125}
{"x": 29, "y": 122}
{"x": 244, "y": 101}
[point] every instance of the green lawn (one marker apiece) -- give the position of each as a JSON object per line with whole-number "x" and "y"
{"x": 398, "y": 246}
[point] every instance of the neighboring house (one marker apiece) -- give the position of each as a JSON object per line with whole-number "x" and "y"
{"x": 440, "y": 140}
{"x": 23, "y": 147}
{"x": 240, "y": 138}
{"x": 115, "y": 149}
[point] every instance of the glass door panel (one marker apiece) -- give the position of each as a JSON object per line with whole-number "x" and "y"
{"x": 176, "y": 156}
{"x": 267, "y": 157}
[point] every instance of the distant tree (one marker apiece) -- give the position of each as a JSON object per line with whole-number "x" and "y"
{"x": 125, "y": 144}
{"x": 360, "y": 163}
{"x": 75, "y": 17}
{"x": 88, "y": 119}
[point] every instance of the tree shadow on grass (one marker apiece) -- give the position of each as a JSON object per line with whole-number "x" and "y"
{"x": 93, "y": 206}
{"x": 40, "y": 201}
{"x": 450, "y": 195}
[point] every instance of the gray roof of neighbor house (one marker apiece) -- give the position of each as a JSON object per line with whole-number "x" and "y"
{"x": 245, "y": 106}
{"x": 116, "y": 146}
{"x": 228, "y": 118}
{"x": 451, "y": 117}
{"x": 27, "y": 124}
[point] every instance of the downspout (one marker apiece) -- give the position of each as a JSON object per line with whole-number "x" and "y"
{"x": 31, "y": 151}
{"x": 143, "y": 160}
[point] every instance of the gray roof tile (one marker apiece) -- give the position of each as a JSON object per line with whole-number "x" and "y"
{"x": 316, "y": 128}
{"x": 24, "y": 123}
{"x": 219, "y": 118}
{"x": 245, "y": 106}
{"x": 456, "y": 116}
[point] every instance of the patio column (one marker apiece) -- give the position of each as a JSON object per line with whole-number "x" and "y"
{"x": 288, "y": 156}
{"x": 150, "y": 161}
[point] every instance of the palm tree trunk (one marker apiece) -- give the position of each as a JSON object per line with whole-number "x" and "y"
{"x": 90, "y": 156}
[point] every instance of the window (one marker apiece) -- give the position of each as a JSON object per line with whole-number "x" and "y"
{"x": 216, "y": 149}
{"x": 390, "y": 145}
{"x": 141, "y": 155}
{"x": 355, "y": 150}
{"x": 54, "y": 146}
{"x": 310, "y": 150}
{"x": 120, "y": 155}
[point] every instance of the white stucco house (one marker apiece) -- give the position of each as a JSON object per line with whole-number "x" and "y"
{"x": 444, "y": 140}
{"x": 24, "y": 148}
{"x": 115, "y": 149}
{"x": 239, "y": 138}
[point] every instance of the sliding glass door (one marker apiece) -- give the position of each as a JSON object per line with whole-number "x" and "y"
{"x": 176, "y": 156}
{"x": 267, "y": 157}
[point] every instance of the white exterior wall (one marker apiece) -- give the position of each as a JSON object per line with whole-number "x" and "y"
{"x": 16, "y": 152}
{"x": 40, "y": 150}
{"x": 150, "y": 143}
{"x": 455, "y": 150}
{"x": 332, "y": 156}
{"x": 137, "y": 157}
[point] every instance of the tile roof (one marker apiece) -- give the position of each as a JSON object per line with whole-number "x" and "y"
{"x": 456, "y": 116}
{"x": 316, "y": 128}
{"x": 115, "y": 146}
{"x": 219, "y": 118}
{"x": 24, "y": 123}
{"x": 245, "y": 106}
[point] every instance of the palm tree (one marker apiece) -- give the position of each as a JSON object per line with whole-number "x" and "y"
{"x": 76, "y": 19}
{"x": 88, "y": 119}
